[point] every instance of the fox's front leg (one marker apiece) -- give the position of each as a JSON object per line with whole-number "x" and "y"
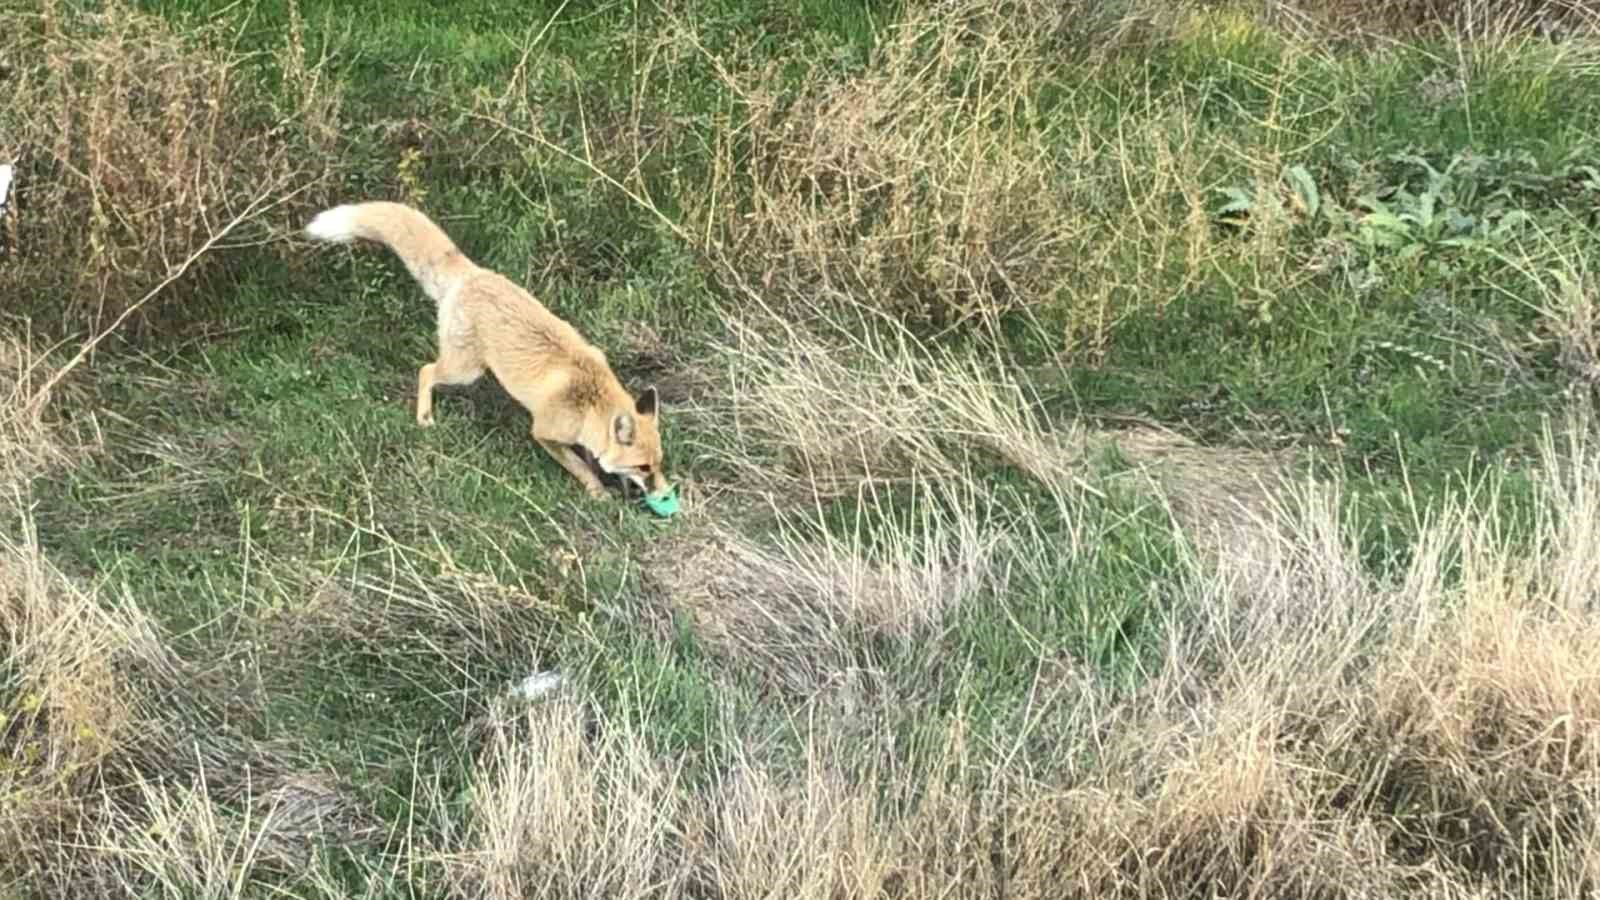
{"x": 577, "y": 465}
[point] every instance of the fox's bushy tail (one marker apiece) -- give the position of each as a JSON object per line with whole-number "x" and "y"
{"x": 428, "y": 253}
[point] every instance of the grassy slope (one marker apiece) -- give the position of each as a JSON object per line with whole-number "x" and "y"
{"x": 249, "y": 474}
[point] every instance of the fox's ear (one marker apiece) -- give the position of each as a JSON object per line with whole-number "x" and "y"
{"x": 622, "y": 429}
{"x": 646, "y": 404}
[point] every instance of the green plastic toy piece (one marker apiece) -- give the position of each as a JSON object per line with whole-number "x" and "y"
{"x": 663, "y": 503}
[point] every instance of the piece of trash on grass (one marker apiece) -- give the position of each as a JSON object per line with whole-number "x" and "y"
{"x": 537, "y": 685}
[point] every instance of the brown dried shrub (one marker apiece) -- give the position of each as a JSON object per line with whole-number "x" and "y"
{"x": 918, "y": 186}
{"x": 138, "y": 148}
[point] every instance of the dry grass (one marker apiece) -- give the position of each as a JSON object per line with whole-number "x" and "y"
{"x": 31, "y": 440}
{"x": 185, "y": 840}
{"x": 104, "y": 787}
{"x": 136, "y": 146}
{"x": 830, "y": 411}
{"x": 79, "y": 718}
{"x": 561, "y": 809}
{"x": 807, "y": 608}
{"x": 1224, "y": 499}
{"x": 1473, "y": 19}
{"x": 923, "y": 833}
{"x": 917, "y": 187}
{"x": 329, "y": 616}
{"x": 117, "y": 774}
{"x": 566, "y": 806}
{"x": 1564, "y": 292}
{"x": 932, "y": 187}
{"x": 124, "y": 769}
{"x": 1310, "y": 728}
{"x": 1311, "y": 732}
{"x": 1314, "y": 732}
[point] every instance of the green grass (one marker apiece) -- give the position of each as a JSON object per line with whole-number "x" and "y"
{"x": 263, "y": 479}
{"x": 318, "y": 365}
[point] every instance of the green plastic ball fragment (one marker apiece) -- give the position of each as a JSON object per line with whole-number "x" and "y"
{"x": 663, "y": 503}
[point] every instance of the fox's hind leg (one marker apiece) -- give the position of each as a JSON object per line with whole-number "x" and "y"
{"x": 455, "y": 367}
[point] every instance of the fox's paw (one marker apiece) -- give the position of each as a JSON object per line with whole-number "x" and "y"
{"x": 425, "y": 421}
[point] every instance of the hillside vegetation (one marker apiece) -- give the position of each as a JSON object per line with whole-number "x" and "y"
{"x": 1127, "y": 448}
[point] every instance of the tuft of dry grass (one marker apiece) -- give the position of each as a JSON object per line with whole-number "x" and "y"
{"x": 918, "y": 186}
{"x": 928, "y": 831}
{"x": 1224, "y": 499}
{"x": 1316, "y": 732}
{"x": 137, "y": 146}
{"x": 31, "y": 441}
{"x": 1564, "y": 292}
{"x": 806, "y": 608}
{"x": 1472, "y": 19}
{"x": 189, "y": 838}
{"x": 829, "y": 411}
{"x": 80, "y": 680}
{"x": 324, "y": 612}
{"x": 810, "y": 837}
{"x": 930, "y": 186}
{"x": 560, "y": 811}
{"x": 122, "y": 766}
{"x": 117, "y": 773}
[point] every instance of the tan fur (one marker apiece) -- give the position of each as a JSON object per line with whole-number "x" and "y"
{"x": 488, "y": 322}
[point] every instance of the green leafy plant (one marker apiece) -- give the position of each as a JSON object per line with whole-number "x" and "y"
{"x": 1415, "y": 212}
{"x": 1444, "y": 213}
{"x": 1295, "y": 195}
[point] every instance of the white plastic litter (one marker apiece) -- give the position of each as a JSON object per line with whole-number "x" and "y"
{"x": 6, "y": 171}
{"x": 538, "y": 685}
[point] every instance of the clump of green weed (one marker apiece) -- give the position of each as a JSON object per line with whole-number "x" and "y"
{"x": 1408, "y": 210}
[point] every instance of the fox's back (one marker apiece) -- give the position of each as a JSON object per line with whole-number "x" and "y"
{"x": 513, "y": 330}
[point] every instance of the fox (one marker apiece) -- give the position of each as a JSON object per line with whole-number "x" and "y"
{"x": 580, "y": 410}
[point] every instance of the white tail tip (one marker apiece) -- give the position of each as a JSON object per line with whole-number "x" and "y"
{"x": 337, "y": 224}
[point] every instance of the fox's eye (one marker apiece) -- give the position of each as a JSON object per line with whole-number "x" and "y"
{"x": 644, "y": 469}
